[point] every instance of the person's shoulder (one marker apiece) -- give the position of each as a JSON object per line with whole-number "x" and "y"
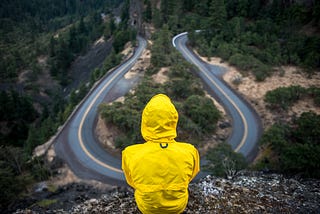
{"x": 186, "y": 145}
{"x": 133, "y": 148}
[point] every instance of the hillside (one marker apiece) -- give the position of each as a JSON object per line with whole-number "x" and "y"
{"x": 249, "y": 192}
{"x": 269, "y": 49}
{"x": 255, "y": 92}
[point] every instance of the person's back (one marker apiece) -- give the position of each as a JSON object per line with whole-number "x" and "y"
{"x": 161, "y": 169}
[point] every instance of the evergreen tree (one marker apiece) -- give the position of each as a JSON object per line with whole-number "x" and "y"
{"x": 148, "y": 11}
{"x": 201, "y": 7}
{"x": 52, "y": 46}
{"x": 218, "y": 15}
{"x": 157, "y": 19}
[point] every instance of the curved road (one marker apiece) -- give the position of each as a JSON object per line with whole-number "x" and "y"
{"x": 245, "y": 121}
{"x": 77, "y": 145}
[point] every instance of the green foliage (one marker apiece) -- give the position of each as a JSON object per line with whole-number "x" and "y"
{"x": 223, "y": 161}
{"x": 25, "y": 34}
{"x": 188, "y": 127}
{"x": 45, "y": 10}
{"x": 122, "y": 141}
{"x": 226, "y": 50}
{"x": 162, "y": 48}
{"x": 167, "y": 8}
{"x": 284, "y": 97}
{"x": 39, "y": 171}
{"x": 46, "y": 202}
{"x": 16, "y": 112}
{"x": 110, "y": 28}
{"x": 301, "y": 158}
{"x": 122, "y": 37}
{"x": 307, "y": 128}
{"x": 257, "y": 36}
{"x": 314, "y": 92}
{"x": 126, "y": 117}
{"x": 295, "y": 147}
{"x": 147, "y": 89}
{"x": 157, "y": 19}
{"x": 147, "y": 14}
{"x": 217, "y": 15}
{"x": 197, "y": 114}
{"x": 241, "y": 61}
{"x": 64, "y": 49}
{"x": 180, "y": 86}
{"x": 278, "y": 135}
{"x": 202, "y": 111}
{"x": 111, "y": 61}
{"x": 10, "y": 186}
{"x": 182, "y": 83}
{"x": 13, "y": 175}
{"x": 25, "y": 30}
{"x": 248, "y": 62}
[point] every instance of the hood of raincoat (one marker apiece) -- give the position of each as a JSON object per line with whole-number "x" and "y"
{"x": 159, "y": 120}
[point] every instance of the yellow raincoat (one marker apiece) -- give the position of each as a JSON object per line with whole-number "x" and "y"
{"x": 161, "y": 169}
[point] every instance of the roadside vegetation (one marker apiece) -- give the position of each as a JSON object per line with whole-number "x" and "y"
{"x": 293, "y": 145}
{"x": 283, "y": 98}
{"x": 197, "y": 113}
{"x": 58, "y": 32}
{"x": 257, "y": 37}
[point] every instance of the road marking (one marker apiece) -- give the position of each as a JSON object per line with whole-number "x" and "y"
{"x": 245, "y": 135}
{"x": 174, "y": 38}
{"x": 85, "y": 115}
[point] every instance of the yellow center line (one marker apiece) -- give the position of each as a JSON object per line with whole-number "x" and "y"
{"x": 229, "y": 99}
{"x": 84, "y": 117}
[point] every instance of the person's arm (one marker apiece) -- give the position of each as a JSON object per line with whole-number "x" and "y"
{"x": 126, "y": 170}
{"x": 196, "y": 167}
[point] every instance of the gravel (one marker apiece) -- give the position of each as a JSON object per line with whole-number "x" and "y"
{"x": 248, "y": 192}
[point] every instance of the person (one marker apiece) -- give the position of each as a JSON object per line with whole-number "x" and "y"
{"x": 160, "y": 169}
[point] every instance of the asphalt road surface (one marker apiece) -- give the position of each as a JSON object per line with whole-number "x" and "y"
{"x": 76, "y": 143}
{"x": 245, "y": 121}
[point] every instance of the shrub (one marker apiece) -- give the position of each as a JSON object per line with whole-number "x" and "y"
{"x": 202, "y": 111}
{"x": 47, "y": 202}
{"x": 225, "y": 50}
{"x": 314, "y": 92}
{"x": 284, "y": 97}
{"x": 240, "y": 61}
{"x": 295, "y": 148}
{"x": 276, "y": 136}
{"x": 261, "y": 72}
{"x": 187, "y": 128}
{"x": 223, "y": 161}
{"x": 307, "y": 128}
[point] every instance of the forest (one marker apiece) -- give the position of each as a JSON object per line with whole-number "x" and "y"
{"x": 31, "y": 113}
{"x": 257, "y": 37}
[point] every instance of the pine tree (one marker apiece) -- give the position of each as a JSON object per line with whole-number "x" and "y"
{"x": 218, "y": 15}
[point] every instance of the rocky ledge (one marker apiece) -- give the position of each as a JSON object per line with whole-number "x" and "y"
{"x": 245, "y": 193}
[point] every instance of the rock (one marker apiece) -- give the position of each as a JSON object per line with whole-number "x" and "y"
{"x": 224, "y": 124}
{"x": 41, "y": 187}
{"x": 248, "y": 192}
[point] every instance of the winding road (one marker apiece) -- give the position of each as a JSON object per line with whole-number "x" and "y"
{"x": 245, "y": 121}
{"x": 76, "y": 143}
